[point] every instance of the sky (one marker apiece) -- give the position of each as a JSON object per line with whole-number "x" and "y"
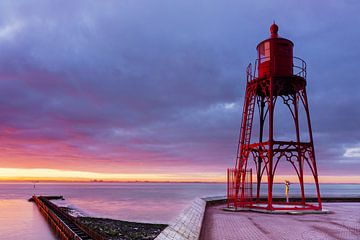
{"x": 153, "y": 90}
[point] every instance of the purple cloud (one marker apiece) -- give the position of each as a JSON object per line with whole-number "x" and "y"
{"x": 157, "y": 86}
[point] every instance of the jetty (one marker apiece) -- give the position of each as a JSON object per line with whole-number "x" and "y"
{"x": 65, "y": 226}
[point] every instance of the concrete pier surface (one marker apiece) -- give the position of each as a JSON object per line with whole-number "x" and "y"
{"x": 343, "y": 223}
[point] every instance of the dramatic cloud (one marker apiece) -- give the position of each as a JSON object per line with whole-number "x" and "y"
{"x": 157, "y": 86}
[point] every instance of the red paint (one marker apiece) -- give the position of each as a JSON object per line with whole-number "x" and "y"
{"x": 278, "y": 78}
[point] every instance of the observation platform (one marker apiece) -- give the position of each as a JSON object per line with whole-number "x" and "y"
{"x": 343, "y": 223}
{"x": 294, "y": 209}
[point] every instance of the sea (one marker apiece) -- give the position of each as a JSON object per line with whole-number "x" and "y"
{"x": 139, "y": 202}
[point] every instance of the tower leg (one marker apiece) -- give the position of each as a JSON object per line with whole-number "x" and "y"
{"x": 299, "y": 156}
{"x": 312, "y": 149}
{"x": 258, "y": 180}
{"x": 271, "y": 145}
{"x": 259, "y": 161}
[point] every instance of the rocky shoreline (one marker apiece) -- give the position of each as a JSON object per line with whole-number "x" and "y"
{"x": 120, "y": 230}
{"x": 123, "y": 230}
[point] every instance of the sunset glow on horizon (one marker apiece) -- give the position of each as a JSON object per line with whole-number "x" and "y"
{"x": 16, "y": 174}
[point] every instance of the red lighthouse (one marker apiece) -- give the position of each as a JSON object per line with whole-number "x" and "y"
{"x": 278, "y": 79}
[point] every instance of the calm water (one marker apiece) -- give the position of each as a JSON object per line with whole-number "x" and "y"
{"x": 145, "y": 202}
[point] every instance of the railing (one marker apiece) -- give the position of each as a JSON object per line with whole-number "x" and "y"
{"x": 298, "y": 68}
{"x": 239, "y": 188}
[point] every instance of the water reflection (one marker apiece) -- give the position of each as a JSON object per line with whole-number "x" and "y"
{"x": 143, "y": 202}
{"x": 20, "y": 219}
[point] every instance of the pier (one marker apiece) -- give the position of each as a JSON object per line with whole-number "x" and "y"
{"x": 65, "y": 226}
{"x": 205, "y": 219}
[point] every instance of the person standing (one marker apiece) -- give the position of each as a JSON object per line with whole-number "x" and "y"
{"x": 287, "y": 184}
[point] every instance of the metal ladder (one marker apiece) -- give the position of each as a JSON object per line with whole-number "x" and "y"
{"x": 246, "y": 127}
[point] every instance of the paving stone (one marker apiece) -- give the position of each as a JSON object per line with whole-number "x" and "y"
{"x": 187, "y": 226}
{"x": 344, "y": 223}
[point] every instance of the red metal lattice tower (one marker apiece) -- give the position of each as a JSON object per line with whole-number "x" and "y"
{"x": 277, "y": 75}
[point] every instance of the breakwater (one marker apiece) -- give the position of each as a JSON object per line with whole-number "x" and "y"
{"x": 65, "y": 226}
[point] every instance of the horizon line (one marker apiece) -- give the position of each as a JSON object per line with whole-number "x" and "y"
{"x": 56, "y": 175}
{"x": 95, "y": 181}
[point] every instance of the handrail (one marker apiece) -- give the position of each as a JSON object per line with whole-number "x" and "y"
{"x": 299, "y": 68}
{"x": 300, "y": 65}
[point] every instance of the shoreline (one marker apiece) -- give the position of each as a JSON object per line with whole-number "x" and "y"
{"x": 122, "y": 230}
{"x": 118, "y": 229}
{"x": 67, "y": 224}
